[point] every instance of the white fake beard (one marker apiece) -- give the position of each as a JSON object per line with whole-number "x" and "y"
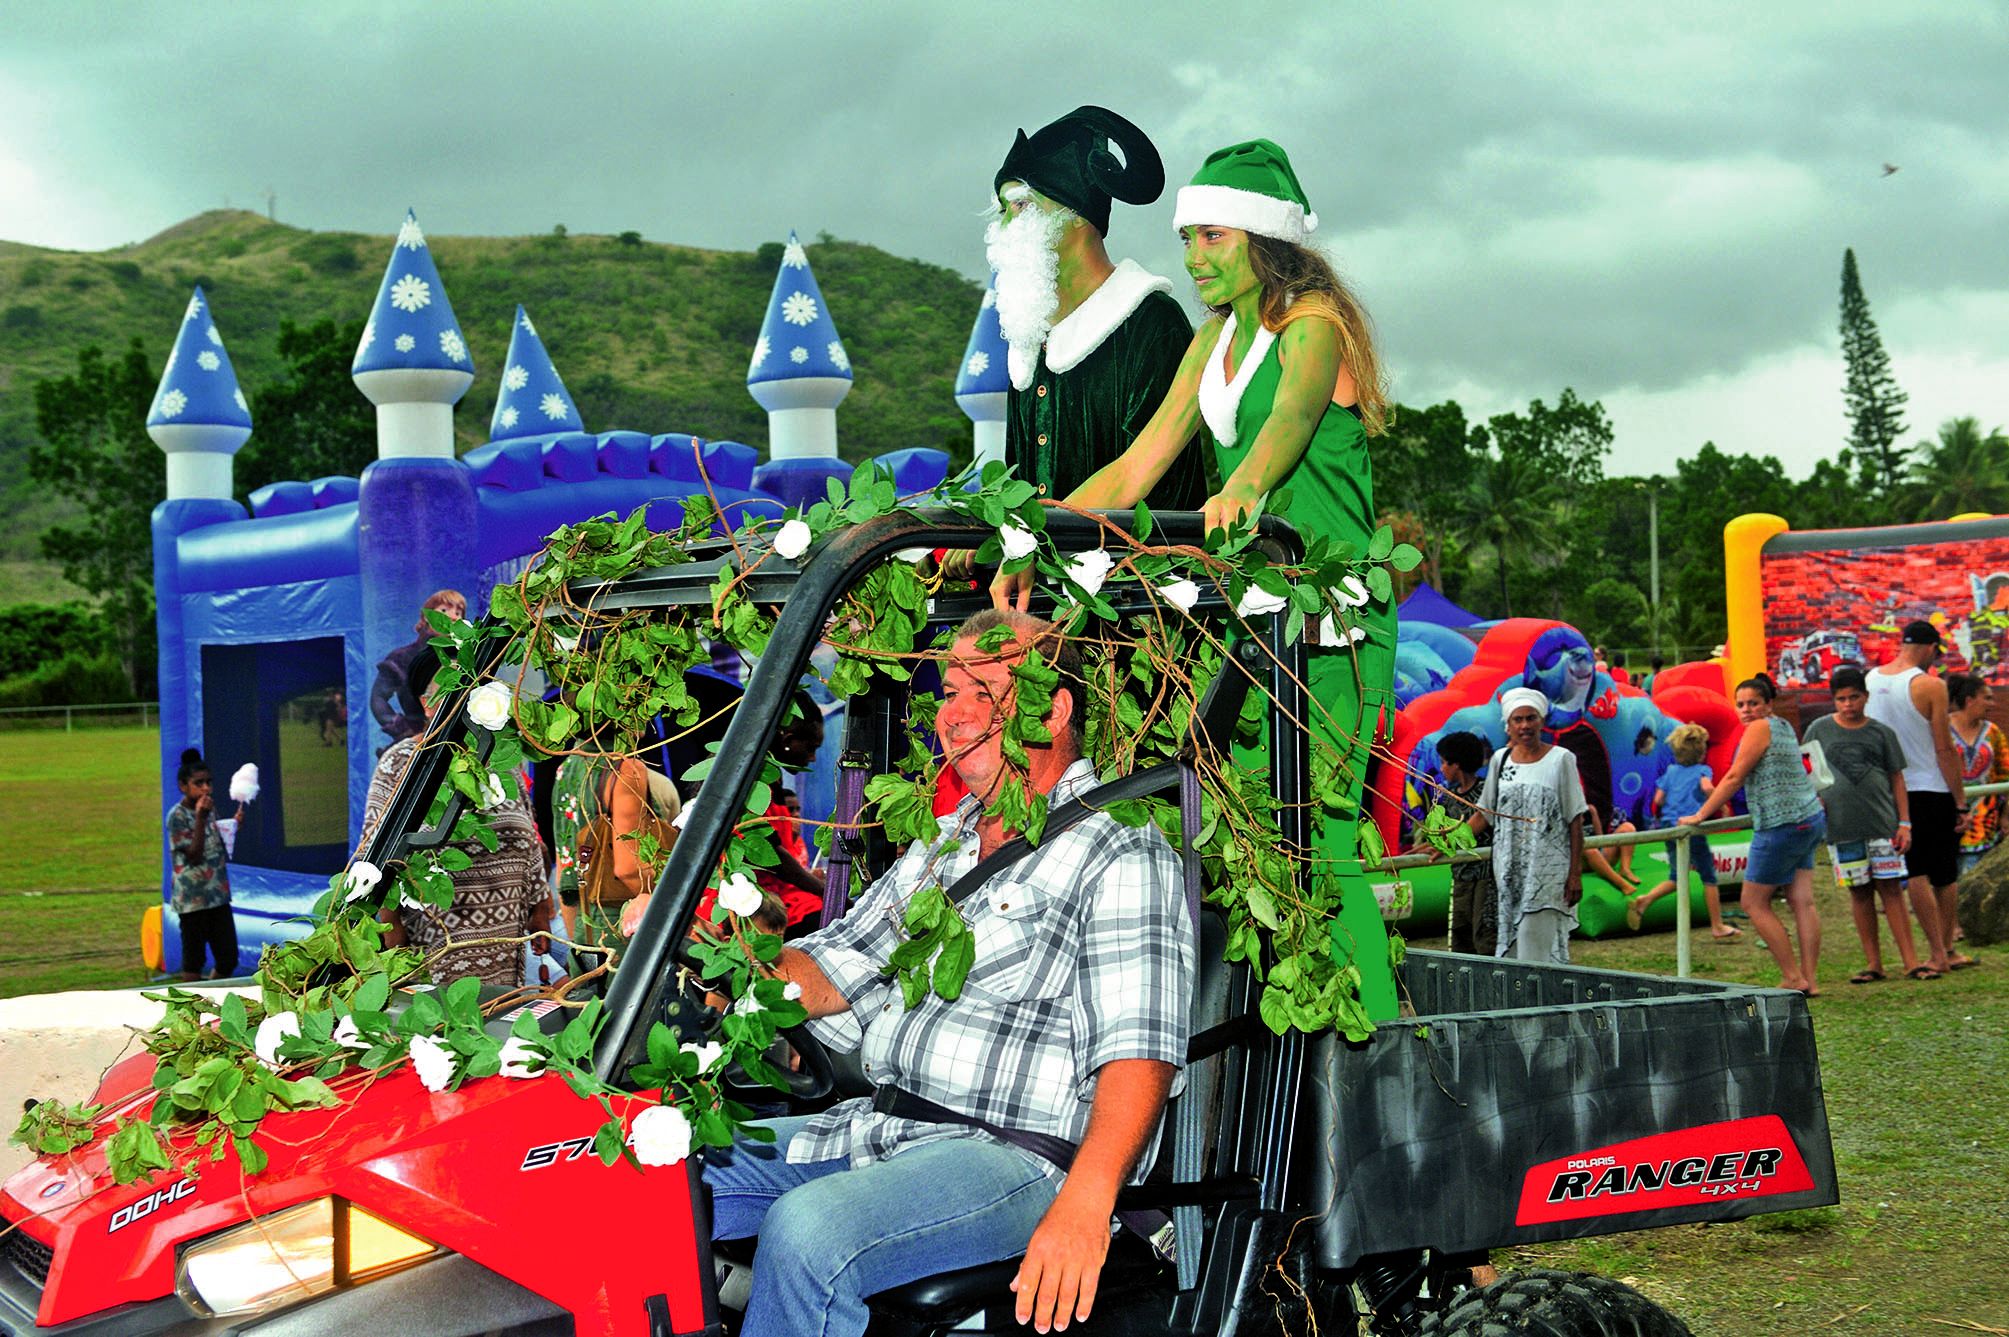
{"x": 1025, "y": 252}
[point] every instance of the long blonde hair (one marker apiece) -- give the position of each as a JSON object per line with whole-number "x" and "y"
{"x": 1298, "y": 283}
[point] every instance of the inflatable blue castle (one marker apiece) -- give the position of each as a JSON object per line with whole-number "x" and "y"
{"x": 272, "y": 623}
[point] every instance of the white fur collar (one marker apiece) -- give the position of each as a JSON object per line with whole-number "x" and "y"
{"x": 1221, "y": 398}
{"x": 1074, "y": 338}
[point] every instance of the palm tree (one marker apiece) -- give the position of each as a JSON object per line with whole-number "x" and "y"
{"x": 1510, "y": 506}
{"x": 1962, "y": 471}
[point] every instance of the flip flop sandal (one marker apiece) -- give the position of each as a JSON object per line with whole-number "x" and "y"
{"x": 1921, "y": 973}
{"x": 1728, "y": 935}
{"x": 1633, "y": 913}
{"x": 1867, "y": 977}
{"x": 1962, "y": 962}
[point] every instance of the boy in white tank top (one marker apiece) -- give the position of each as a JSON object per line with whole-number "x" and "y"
{"x": 1913, "y": 703}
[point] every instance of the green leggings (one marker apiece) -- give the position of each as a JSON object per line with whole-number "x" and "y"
{"x": 1358, "y": 934}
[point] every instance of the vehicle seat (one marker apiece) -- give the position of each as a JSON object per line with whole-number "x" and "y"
{"x": 948, "y": 1298}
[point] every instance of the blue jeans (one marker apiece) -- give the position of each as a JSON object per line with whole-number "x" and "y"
{"x": 831, "y": 1235}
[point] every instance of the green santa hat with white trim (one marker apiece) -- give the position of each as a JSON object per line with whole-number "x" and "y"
{"x": 1249, "y": 186}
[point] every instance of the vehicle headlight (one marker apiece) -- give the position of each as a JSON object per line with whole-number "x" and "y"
{"x": 292, "y": 1254}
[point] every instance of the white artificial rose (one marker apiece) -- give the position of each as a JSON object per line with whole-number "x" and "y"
{"x": 433, "y": 1062}
{"x": 271, "y": 1032}
{"x": 489, "y": 705}
{"x": 520, "y": 1058}
{"x": 493, "y": 795}
{"x": 683, "y": 815}
{"x": 1181, "y": 594}
{"x": 792, "y": 540}
{"x": 791, "y": 991}
{"x": 565, "y": 644}
{"x": 1089, "y": 569}
{"x": 362, "y": 878}
{"x": 748, "y": 1005}
{"x": 349, "y": 1037}
{"x": 661, "y": 1135}
{"x": 1257, "y": 602}
{"x": 740, "y": 895}
{"x": 1353, "y": 591}
{"x": 709, "y": 1053}
{"x": 1016, "y": 540}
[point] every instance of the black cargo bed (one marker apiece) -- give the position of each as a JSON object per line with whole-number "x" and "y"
{"x": 1501, "y": 1112}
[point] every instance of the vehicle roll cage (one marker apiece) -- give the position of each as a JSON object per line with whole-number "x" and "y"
{"x": 807, "y": 592}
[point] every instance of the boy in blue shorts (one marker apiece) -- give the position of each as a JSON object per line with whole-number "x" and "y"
{"x": 1869, "y": 820}
{"x": 1682, "y": 788}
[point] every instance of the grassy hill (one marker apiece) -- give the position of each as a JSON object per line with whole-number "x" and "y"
{"x": 648, "y": 336}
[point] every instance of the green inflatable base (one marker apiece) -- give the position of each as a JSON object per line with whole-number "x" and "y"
{"x": 1419, "y": 902}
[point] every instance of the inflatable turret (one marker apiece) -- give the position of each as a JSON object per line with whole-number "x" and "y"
{"x": 983, "y": 381}
{"x": 532, "y": 399}
{"x": 416, "y": 520}
{"x": 199, "y": 416}
{"x": 799, "y": 372}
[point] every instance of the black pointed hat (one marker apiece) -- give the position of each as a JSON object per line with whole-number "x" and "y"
{"x": 1070, "y": 162}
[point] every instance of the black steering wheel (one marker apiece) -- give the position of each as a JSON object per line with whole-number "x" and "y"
{"x": 808, "y": 1081}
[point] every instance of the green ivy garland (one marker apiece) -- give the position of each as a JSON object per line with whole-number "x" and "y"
{"x": 322, "y": 1021}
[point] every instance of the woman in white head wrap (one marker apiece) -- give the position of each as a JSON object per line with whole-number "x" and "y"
{"x": 1534, "y": 805}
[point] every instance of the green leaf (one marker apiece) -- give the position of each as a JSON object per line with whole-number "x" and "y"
{"x": 1262, "y": 907}
{"x": 953, "y": 967}
{"x": 1275, "y": 1009}
{"x": 1381, "y": 545}
{"x": 1406, "y": 557}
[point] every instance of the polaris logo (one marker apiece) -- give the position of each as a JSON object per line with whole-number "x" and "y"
{"x": 151, "y": 1203}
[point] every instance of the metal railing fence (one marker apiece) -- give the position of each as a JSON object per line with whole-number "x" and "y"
{"x": 1678, "y": 834}
{"x": 47, "y": 717}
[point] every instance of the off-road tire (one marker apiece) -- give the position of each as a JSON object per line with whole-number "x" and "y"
{"x": 1545, "y": 1303}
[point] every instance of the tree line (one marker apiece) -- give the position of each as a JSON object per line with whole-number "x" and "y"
{"x": 1515, "y": 515}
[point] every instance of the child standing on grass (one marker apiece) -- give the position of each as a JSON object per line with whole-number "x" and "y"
{"x": 200, "y": 892}
{"x": 1869, "y": 820}
{"x": 1682, "y": 788}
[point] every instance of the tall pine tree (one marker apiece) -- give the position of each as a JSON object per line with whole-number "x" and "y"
{"x": 1875, "y": 403}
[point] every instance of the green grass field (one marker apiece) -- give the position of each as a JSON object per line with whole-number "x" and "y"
{"x": 1912, "y": 1073}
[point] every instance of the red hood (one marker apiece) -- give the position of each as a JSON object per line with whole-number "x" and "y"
{"x": 453, "y": 1166}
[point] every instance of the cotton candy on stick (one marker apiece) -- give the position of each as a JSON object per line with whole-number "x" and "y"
{"x": 244, "y": 783}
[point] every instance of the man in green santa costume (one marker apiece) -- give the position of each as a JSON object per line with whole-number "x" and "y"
{"x": 1093, "y": 345}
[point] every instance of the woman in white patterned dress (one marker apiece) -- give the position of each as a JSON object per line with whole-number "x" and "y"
{"x": 1534, "y": 804}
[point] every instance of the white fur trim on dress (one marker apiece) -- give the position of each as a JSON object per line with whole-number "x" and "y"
{"x": 1221, "y": 398}
{"x": 1074, "y": 338}
{"x": 1251, "y": 211}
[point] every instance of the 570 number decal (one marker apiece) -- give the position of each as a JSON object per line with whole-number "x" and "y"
{"x": 551, "y": 1153}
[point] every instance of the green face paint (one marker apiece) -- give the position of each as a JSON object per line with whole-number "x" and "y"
{"x": 1217, "y": 258}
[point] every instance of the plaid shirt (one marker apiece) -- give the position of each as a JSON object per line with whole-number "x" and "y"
{"x": 1084, "y": 954}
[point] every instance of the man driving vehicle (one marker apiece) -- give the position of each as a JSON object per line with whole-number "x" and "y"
{"x": 1071, "y": 1027}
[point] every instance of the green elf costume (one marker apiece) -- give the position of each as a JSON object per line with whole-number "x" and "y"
{"x": 1252, "y": 187}
{"x": 1081, "y": 397}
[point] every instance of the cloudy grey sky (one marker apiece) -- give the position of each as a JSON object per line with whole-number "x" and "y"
{"x": 1646, "y": 202}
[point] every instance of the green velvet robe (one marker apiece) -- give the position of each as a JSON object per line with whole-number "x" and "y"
{"x": 1065, "y": 425}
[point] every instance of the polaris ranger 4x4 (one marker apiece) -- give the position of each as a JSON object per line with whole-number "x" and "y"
{"x": 1311, "y": 1179}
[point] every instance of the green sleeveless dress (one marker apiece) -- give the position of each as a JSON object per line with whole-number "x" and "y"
{"x": 1332, "y": 494}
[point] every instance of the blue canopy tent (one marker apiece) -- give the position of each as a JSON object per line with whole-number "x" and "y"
{"x": 1425, "y": 604}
